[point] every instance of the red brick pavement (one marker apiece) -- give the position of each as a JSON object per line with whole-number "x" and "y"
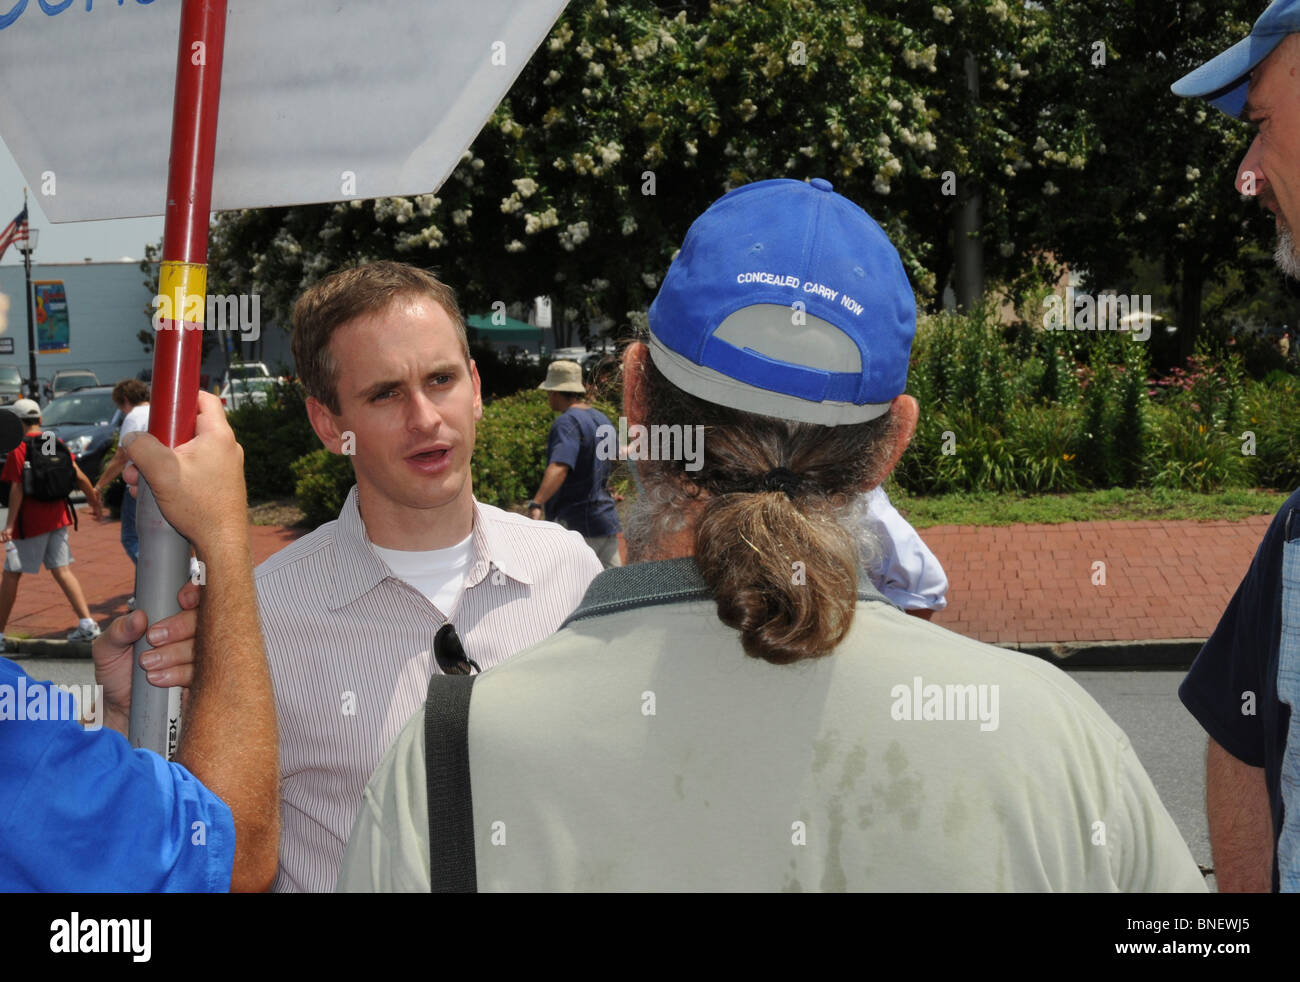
{"x": 107, "y": 578}
{"x": 1017, "y": 584}
{"x": 1034, "y": 583}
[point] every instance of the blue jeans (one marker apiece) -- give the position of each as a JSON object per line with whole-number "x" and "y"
{"x": 130, "y": 541}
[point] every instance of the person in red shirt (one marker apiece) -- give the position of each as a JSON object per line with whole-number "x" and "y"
{"x": 37, "y": 532}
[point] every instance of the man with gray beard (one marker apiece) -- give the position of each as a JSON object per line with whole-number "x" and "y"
{"x": 1246, "y": 680}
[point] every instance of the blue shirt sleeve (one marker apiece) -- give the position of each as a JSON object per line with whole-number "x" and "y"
{"x": 81, "y": 811}
{"x": 1235, "y": 662}
{"x": 565, "y": 443}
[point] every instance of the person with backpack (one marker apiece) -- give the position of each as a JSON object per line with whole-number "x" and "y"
{"x": 42, "y": 474}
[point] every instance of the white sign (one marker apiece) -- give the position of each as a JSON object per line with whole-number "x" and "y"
{"x": 320, "y": 101}
{"x": 542, "y": 312}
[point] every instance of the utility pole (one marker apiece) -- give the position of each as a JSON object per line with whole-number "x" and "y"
{"x": 28, "y": 245}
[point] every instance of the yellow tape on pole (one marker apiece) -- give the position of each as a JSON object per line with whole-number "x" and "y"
{"x": 182, "y": 292}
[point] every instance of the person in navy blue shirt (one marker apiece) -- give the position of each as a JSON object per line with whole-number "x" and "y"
{"x": 80, "y": 810}
{"x": 1246, "y": 680}
{"x": 1232, "y": 690}
{"x": 574, "y": 489}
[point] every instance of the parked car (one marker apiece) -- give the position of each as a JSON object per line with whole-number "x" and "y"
{"x": 245, "y": 370}
{"x": 67, "y": 379}
{"x": 243, "y": 391}
{"x": 12, "y": 386}
{"x": 83, "y": 420}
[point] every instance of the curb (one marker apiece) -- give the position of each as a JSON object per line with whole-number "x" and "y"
{"x": 1165, "y": 653}
{"x": 19, "y": 648}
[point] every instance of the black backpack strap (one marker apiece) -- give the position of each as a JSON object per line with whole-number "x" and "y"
{"x": 446, "y": 766}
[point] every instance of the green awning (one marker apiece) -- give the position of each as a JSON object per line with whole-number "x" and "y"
{"x": 491, "y": 331}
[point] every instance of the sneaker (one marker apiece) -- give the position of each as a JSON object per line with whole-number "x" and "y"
{"x": 83, "y": 633}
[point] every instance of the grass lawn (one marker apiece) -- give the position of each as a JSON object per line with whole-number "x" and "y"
{"x": 1116, "y": 504}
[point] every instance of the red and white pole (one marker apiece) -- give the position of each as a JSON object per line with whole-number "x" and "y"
{"x": 178, "y": 348}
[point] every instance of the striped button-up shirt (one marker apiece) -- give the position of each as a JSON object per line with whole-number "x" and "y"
{"x": 350, "y": 647}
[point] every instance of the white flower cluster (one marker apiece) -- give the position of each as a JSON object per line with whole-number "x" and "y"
{"x": 285, "y": 244}
{"x": 998, "y": 10}
{"x": 560, "y": 38}
{"x": 647, "y": 48}
{"x": 430, "y": 236}
{"x": 1050, "y": 189}
{"x": 514, "y": 245}
{"x": 526, "y": 186}
{"x": 650, "y": 280}
{"x": 629, "y": 225}
{"x": 921, "y": 59}
{"x": 854, "y": 40}
{"x": 943, "y": 14}
{"x": 511, "y": 204}
{"x": 574, "y": 235}
{"x": 535, "y": 223}
{"x": 1193, "y": 173}
{"x": 461, "y": 216}
{"x": 426, "y": 203}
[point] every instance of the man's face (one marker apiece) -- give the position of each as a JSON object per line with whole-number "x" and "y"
{"x": 1272, "y": 164}
{"x": 410, "y": 401}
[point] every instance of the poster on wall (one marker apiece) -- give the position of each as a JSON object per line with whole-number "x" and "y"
{"x": 52, "y": 330}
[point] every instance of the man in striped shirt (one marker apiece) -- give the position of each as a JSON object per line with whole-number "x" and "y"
{"x": 349, "y": 612}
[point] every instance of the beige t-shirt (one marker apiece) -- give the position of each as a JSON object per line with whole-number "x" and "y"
{"x": 643, "y": 750}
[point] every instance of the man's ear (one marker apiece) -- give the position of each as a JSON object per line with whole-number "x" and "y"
{"x": 478, "y": 390}
{"x": 325, "y": 424}
{"x": 634, "y": 364}
{"x": 906, "y": 413}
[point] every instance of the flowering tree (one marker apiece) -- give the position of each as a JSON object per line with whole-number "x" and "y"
{"x": 986, "y": 123}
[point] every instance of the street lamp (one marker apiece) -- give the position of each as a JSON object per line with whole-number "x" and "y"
{"x": 27, "y": 248}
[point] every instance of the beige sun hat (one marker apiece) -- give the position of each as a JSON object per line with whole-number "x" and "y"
{"x": 564, "y": 376}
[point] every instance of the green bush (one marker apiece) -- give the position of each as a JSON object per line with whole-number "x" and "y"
{"x": 1195, "y": 456}
{"x": 1269, "y": 412}
{"x": 273, "y": 437}
{"x": 510, "y": 448}
{"x": 322, "y": 482}
{"x": 1046, "y": 442}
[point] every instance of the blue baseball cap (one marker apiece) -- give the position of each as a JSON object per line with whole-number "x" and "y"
{"x": 1223, "y": 79}
{"x": 787, "y": 300}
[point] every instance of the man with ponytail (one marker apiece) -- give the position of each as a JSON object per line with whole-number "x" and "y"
{"x": 737, "y": 709}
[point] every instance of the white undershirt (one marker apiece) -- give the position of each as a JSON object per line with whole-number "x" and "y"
{"x": 439, "y": 574}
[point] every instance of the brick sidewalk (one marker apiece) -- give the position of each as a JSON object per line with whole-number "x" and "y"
{"x": 107, "y": 577}
{"x": 1015, "y": 584}
{"x": 1034, "y": 583}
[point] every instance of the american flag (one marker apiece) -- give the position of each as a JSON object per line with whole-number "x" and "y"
{"x": 15, "y": 231}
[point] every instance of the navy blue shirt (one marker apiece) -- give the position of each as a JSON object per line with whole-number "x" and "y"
{"x": 583, "y": 503}
{"x": 1241, "y": 657}
{"x": 81, "y": 811}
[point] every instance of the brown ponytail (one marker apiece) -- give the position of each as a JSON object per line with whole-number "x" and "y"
{"x": 781, "y": 566}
